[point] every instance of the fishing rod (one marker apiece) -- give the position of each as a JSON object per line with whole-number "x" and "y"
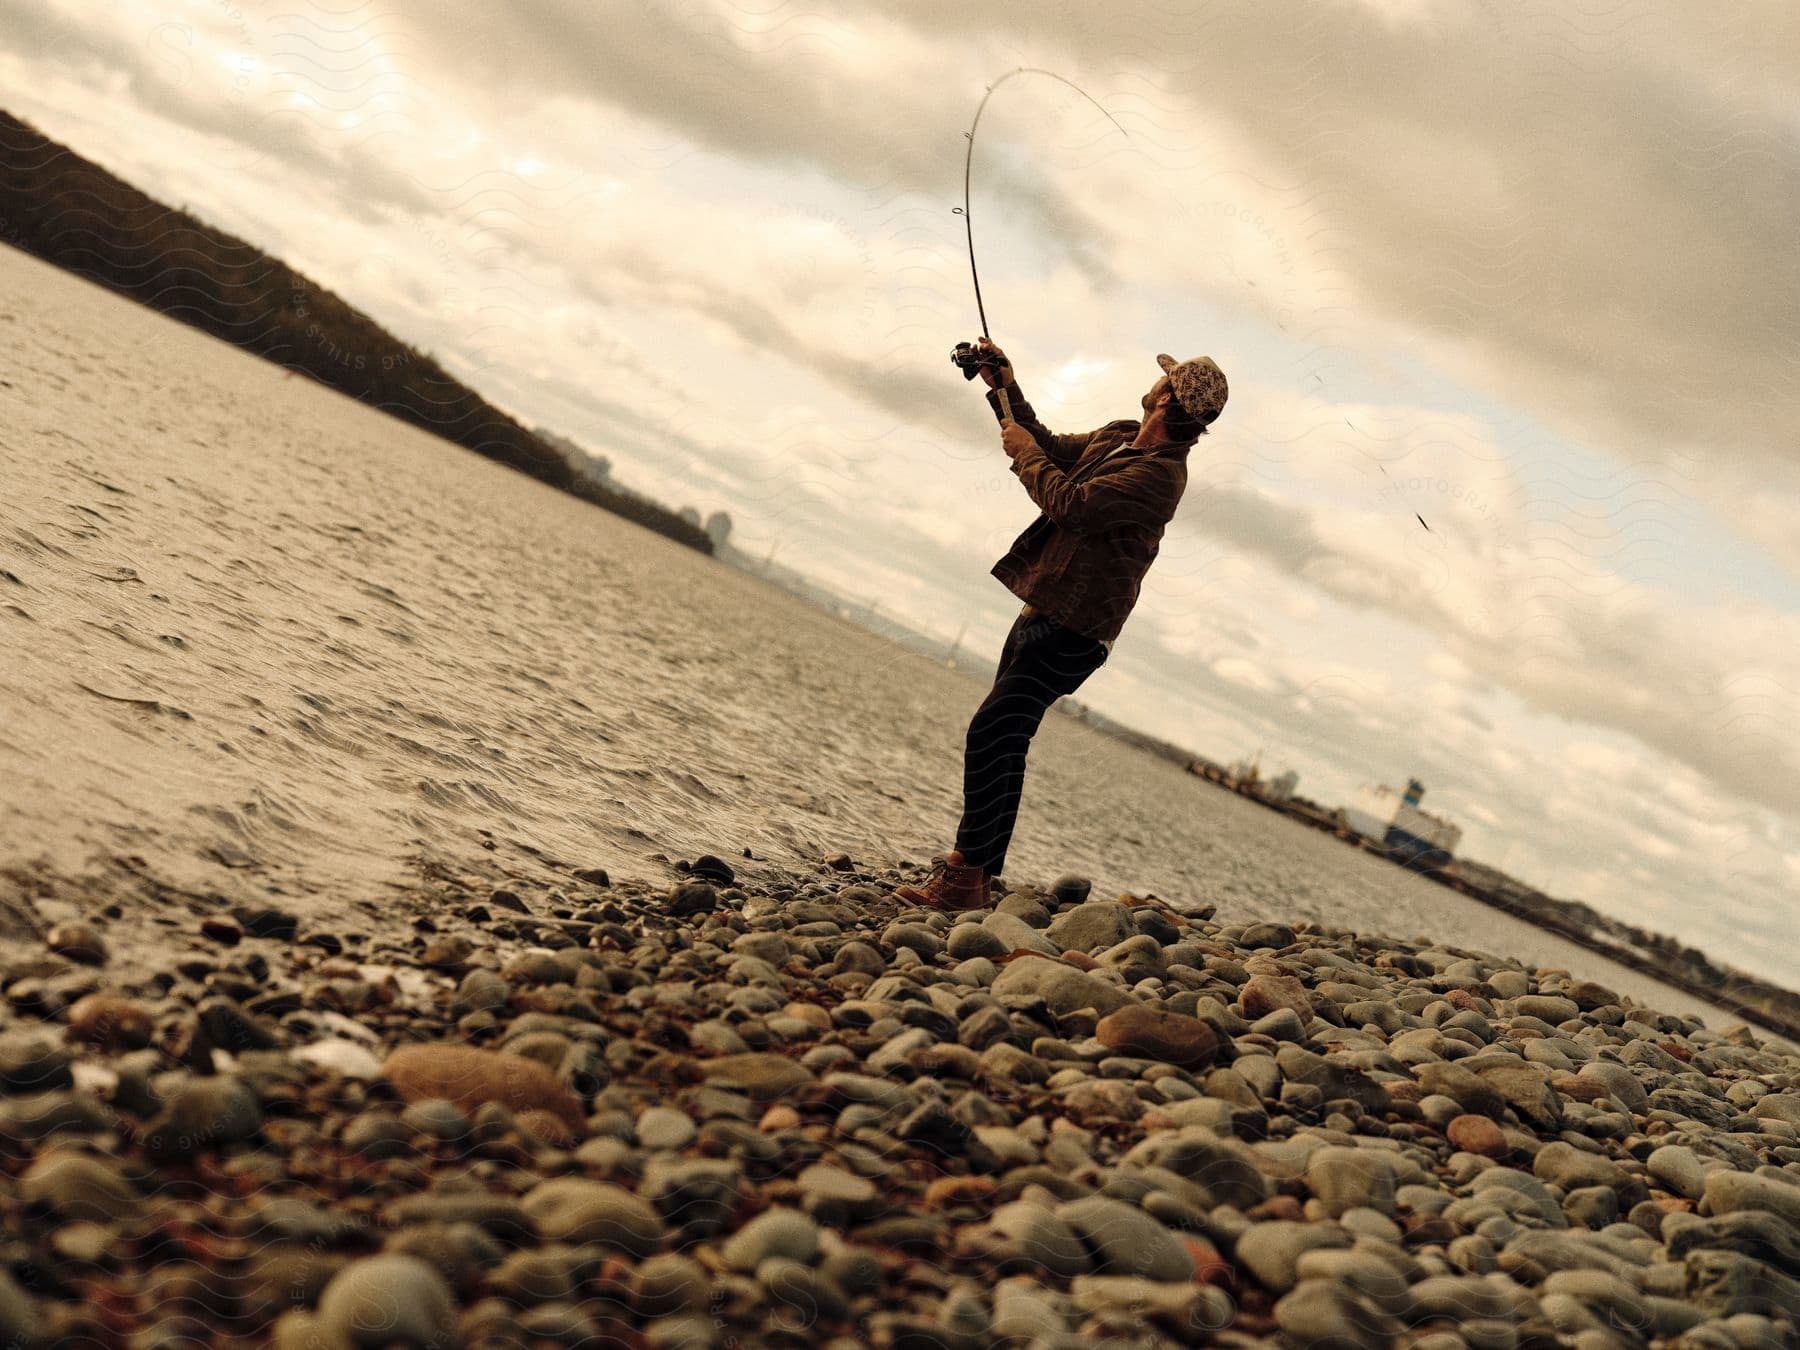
{"x": 966, "y": 356}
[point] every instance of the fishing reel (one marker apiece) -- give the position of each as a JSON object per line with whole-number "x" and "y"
{"x": 970, "y": 359}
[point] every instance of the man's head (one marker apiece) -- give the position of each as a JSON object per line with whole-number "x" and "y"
{"x": 1191, "y": 395}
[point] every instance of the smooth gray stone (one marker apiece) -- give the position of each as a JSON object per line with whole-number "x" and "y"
{"x": 1618, "y": 1080}
{"x": 1091, "y": 925}
{"x": 1678, "y": 1168}
{"x": 1271, "y": 1250}
{"x": 1725, "y": 1283}
{"x": 577, "y": 1210}
{"x": 1126, "y": 1241}
{"x": 1753, "y": 1232}
{"x": 775, "y": 1232}
{"x": 1728, "y": 1192}
{"x": 1325, "y": 1315}
{"x": 1043, "y": 1237}
{"x": 1064, "y": 988}
{"x": 387, "y": 1300}
{"x": 1352, "y": 1178}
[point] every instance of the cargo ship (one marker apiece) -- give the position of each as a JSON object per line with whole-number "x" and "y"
{"x": 1395, "y": 819}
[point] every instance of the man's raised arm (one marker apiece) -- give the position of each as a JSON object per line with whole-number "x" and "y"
{"x": 1061, "y": 451}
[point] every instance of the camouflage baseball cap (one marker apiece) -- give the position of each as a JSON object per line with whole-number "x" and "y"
{"x": 1198, "y": 386}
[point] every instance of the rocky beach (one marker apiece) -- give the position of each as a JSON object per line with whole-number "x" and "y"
{"x": 697, "y": 1113}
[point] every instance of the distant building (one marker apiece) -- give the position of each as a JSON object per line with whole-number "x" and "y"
{"x": 1395, "y": 819}
{"x": 1247, "y": 771}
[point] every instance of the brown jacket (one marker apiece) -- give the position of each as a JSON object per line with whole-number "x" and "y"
{"x": 1083, "y": 560}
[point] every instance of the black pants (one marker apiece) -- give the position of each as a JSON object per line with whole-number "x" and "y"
{"x": 1040, "y": 662}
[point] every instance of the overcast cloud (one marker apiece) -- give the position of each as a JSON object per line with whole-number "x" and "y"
{"x": 1524, "y": 271}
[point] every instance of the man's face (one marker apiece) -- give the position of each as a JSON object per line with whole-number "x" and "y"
{"x": 1157, "y": 390}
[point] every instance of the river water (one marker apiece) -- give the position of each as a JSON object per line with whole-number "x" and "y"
{"x": 262, "y": 642}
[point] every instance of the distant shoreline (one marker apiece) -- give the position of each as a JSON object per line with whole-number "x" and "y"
{"x": 172, "y": 262}
{"x": 1774, "y": 1008}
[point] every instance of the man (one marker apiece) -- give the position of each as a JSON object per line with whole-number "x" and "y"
{"x": 1105, "y": 497}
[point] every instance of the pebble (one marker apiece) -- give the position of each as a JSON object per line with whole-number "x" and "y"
{"x": 1062, "y": 987}
{"x": 388, "y": 1300}
{"x": 670, "y": 1284}
{"x": 1091, "y": 926}
{"x": 666, "y": 1129}
{"x": 31, "y": 1062}
{"x": 1126, "y": 1241}
{"x": 1728, "y": 1192}
{"x": 1151, "y": 1033}
{"x": 470, "y": 1078}
{"x": 80, "y": 1188}
{"x": 339, "y": 1055}
{"x": 1327, "y": 1315}
{"x": 110, "y": 1021}
{"x": 834, "y": 1196}
{"x": 762, "y": 1077}
{"x": 200, "y": 1113}
{"x": 1266, "y": 994}
{"x": 1271, "y": 1251}
{"x": 1276, "y": 935}
{"x": 1351, "y": 1178}
{"x": 1042, "y": 1237}
{"x": 1478, "y": 1135}
{"x": 774, "y": 1233}
{"x": 79, "y": 942}
{"x": 577, "y": 1209}
{"x": 1679, "y": 1169}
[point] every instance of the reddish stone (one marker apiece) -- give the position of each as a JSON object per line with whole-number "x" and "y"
{"x": 1577, "y": 1088}
{"x": 1277, "y": 1207}
{"x": 810, "y": 1013}
{"x": 1152, "y": 1033}
{"x": 1209, "y": 1266}
{"x": 948, "y": 1191}
{"x": 1080, "y": 960}
{"x": 1264, "y": 994}
{"x": 106, "y": 1019}
{"x": 1479, "y": 1135}
{"x": 471, "y": 1078}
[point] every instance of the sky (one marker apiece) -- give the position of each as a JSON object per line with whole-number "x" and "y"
{"x": 1526, "y": 271}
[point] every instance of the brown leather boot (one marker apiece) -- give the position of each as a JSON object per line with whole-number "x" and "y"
{"x": 955, "y": 885}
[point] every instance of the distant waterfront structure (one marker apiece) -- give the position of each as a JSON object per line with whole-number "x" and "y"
{"x": 1281, "y": 786}
{"x": 1247, "y": 771}
{"x": 1395, "y": 819}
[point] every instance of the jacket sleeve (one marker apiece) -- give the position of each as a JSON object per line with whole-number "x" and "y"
{"x": 1138, "y": 492}
{"x": 1061, "y": 451}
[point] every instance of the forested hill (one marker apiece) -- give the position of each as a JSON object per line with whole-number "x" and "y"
{"x": 70, "y": 212}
